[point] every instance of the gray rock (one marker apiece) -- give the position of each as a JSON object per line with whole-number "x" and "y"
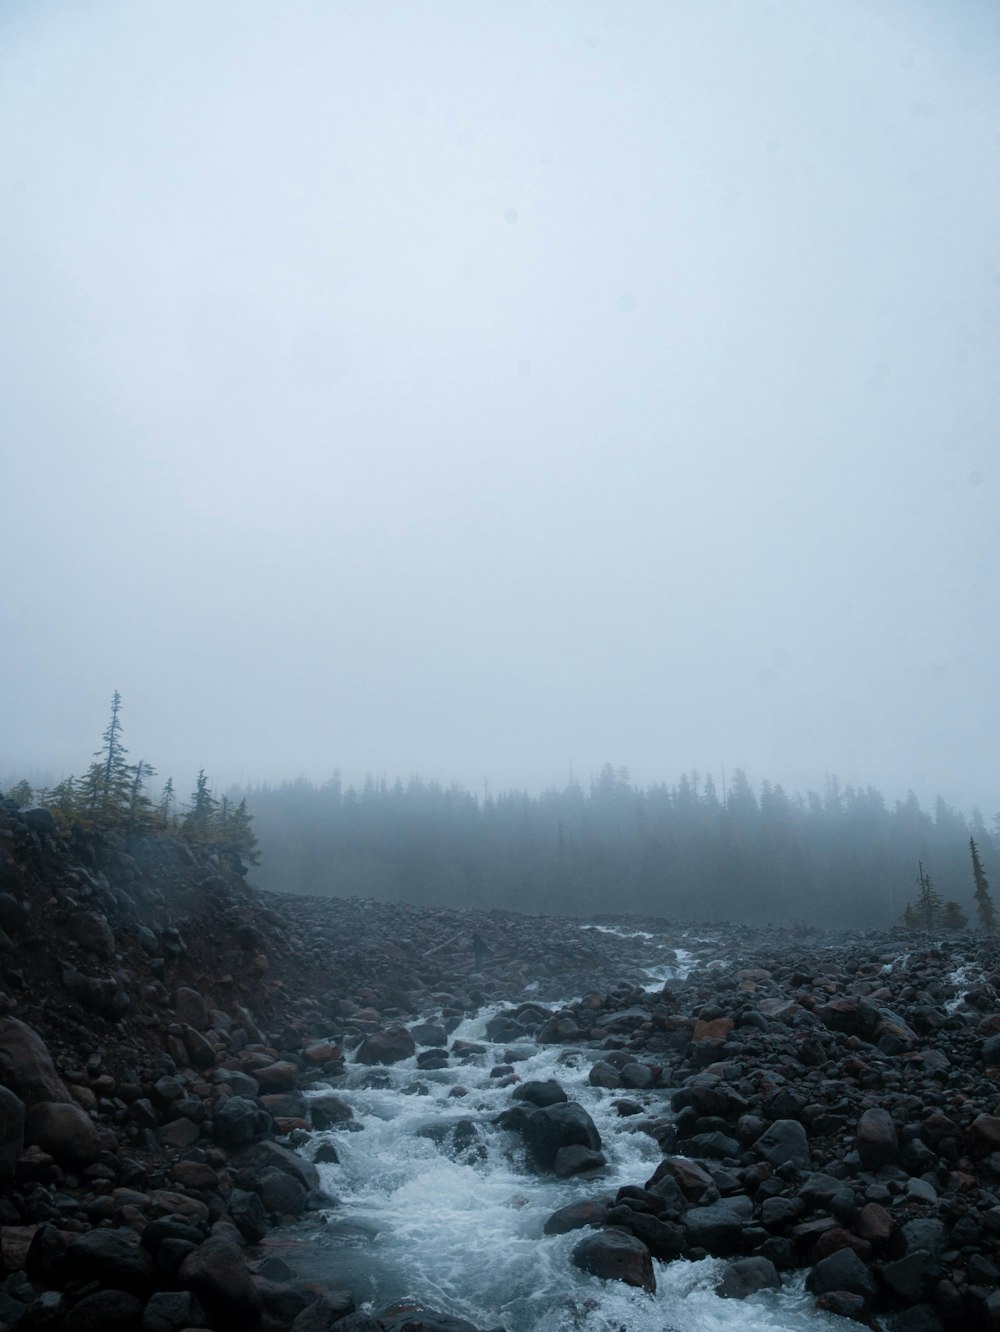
{"x": 746, "y": 1276}
{"x": 785, "y": 1142}
{"x": 615, "y": 1255}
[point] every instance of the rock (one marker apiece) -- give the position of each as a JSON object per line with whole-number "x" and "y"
{"x": 281, "y": 1193}
{"x": 325, "y": 1312}
{"x": 216, "y": 1273}
{"x": 327, "y": 1110}
{"x": 541, "y": 1094}
{"x": 25, "y": 1065}
{"x": 842, "y": 1271}
{"x": 663, "y": 1239}
{"x": 93, "y": 933}
{"x": 429, "y": 1033}
{"x": 785, "y": 1142}
{"x": 575, "y": 1216}
{"x": 114, "y": 1257}
{"x": 577, "y": 1160}
{"x": 190, "y": 1008}
{"x": 103, "y": 1311}
{"x": 984, "y": 1134}
{"x": 39, "y": 819}
{"x": 64, "y": 1130}
{"x": 746, "y": 1276}
{"x": 603, "y": 1074}
{"x": 386, "y": 1047}
{"x": 718, "y": 1227}
{"x": 552, "y": 1127}
{"x": 237, "y": 1121}
{"x": 11, "y": 1133}
{"x": 615, "y": 1255}
{"x": 170, "y": 1311}
{"x": 247, "y": 1212}
{"x": 271, "y": 1155}
{"x": 279, "y": 1076}
{"x": 877, "y": 1142}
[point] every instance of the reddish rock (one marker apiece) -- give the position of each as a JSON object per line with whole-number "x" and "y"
{"x": 716, "y": 1030}
{"x": 875, "y": 1223}
{"x": 387, "y": 1047}
{"x": 322, "y": 1052}
{"x": 219, "y": 1277}
{"x": 615, "y": 1255}
{"x": 277, "y": 1077}
{"x": 984, "y": 1135}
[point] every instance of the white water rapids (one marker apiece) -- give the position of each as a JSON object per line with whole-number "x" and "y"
{"x": 457, "y": 1224}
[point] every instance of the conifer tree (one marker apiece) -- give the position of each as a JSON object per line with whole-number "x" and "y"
{"x": 985, "y": 911}
{"x": 953, "y": 917}
{"x": 238, "y": 836}
{"x": 106, "y": 787}
{"x": 201, "y": 815}
{"x": 23, "y": 793}
{"x": 928, "y": 900}
{"x": 167, "y": 801}
{"x": 139, "y": 805}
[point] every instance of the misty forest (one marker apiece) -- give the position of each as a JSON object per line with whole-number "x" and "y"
{"x": 499, "y": 787}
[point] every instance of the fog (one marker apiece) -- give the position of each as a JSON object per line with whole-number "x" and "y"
{"x": 490, "y": 391}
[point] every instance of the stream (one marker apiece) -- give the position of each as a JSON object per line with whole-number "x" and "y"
{"x": 437, "y": 1204}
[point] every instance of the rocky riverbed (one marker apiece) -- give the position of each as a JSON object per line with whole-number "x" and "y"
{"x": 190, "y": 1071}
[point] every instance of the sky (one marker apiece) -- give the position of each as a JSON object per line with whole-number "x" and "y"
{"x": 490, "y": 391}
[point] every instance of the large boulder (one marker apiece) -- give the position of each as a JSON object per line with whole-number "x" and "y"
{"x": 553, "y": 1127}
{"x": 785, "y": 1142}
{"x": 386, "y": 1047}
{"x": 217, "y": 1274}
{"x": 114, "y": 1257}
{"x": 878, "y": 1144}
{"x": 718, "y": 1227}
{"x": 64, "y": 1130}
{"x": 11, "y": 1133}
{"x": 26, "y": 1066}
{"x": 615, "y": 1255}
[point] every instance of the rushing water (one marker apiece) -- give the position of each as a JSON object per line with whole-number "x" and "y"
{"x": 436, "y": 1204}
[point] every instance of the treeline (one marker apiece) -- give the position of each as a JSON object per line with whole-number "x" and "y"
{"x": 113, "y": 796}
{"x": 846, "y": 857}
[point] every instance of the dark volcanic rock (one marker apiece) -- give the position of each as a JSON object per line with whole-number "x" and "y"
{"x": 878, "y": 1144}
{"x": 615, "y": 1255}
{"x": 552, "y": 1127}
{"x": 216, "y": 1273}
{"x": 386, "y": 1047}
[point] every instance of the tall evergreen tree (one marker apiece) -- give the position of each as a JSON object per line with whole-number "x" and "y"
{"x": 928, "y": 900}
{"x": 201, "y": 815}
{"x": 106, "y": 787}
{"x": 985, "y": 911}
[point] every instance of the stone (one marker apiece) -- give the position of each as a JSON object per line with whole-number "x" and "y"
{"x": 877, "y": 1142}
{"x": 718, "y": 1227}
{"x": 541, "y": 1094}
{"x": 190, "y": 1008}
{"x": 217, "y": 1274}
{"x": 103, "y": 1311}
{"x": 26, "y": 1067}
{"x": 552, "y": 1127}
{"x": 237, "y": 1121}
{"x": 576, "y": 1216}
{"x": 277, "y": 1077}
{"x": 984, "y": 1135}
{"x": 11, "y": 1133}
{"x": 785, "y": 1142}
{"x": 429, "y": 1033}
{"x": 746, "y": 1276}
{"x": 64, "y": 1130}
{"x": 170, "y": 1311}
{"x": 281, "y": 1193}
{"x": 93, "y": 933}
{"x": 387, "y": 1047}
{"x": 247, "y": 1211}
{"x": 615, "y": 1255}
{"x": 577, "y": 1160}
{"x": 114, "y": 1257}
{"x": 842, "y": 1271}
{"x": 325, "y": 1313}
{"x": 327, "y": 1110}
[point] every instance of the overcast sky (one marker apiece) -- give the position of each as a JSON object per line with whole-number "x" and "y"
{"x": 489, "y": 390}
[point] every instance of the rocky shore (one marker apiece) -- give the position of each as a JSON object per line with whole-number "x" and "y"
{"x": 821, "y": 1104}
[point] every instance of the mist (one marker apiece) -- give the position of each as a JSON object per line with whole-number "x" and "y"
{"x": 489, "y": 392}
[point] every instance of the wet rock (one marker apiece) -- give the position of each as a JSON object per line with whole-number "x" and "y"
{"x": 237, "y": 1121}
{"x": 615, "y": 1255}
{"x": 281, "y": 1193}
{"x": 663, "y": 1239}
{"x": 325, "y": 1312}
{"x": 576, "y": 1216}
{"x": 541, "y": 1094}
{"x": 842, "y": 1271}
{"x": 577, "y": 1160}
{"x": 746, "y": 1276}
{"x": 429, "y": 1034}
{"x": 281, "y": 1075}
{"x": 327, "y": 1110}
{"x": 114, "y": 1257}
{"x": 386, "y": 1047}
{"x": 64, "y": 1130}
{"x": 718, "y": 1227}
{"x": 170, "y": 1311}
{"x": 216, "y": 1273}
{"x": 553, "y": 1127}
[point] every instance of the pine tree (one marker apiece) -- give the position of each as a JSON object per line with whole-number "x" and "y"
{"x": 23, "y": 794}
{"x": 167, "y": 802}
{"x": 928, "y": 900}
{"x": 201, "y": 815}
{"x": 139, "y": 805}
{"x": 238, "y": 836}
{"x": 985, "y": 911}
{"x": 953, "y": 917}
{"x": 910, "y": 918}
{"x": 106, "y": 787}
